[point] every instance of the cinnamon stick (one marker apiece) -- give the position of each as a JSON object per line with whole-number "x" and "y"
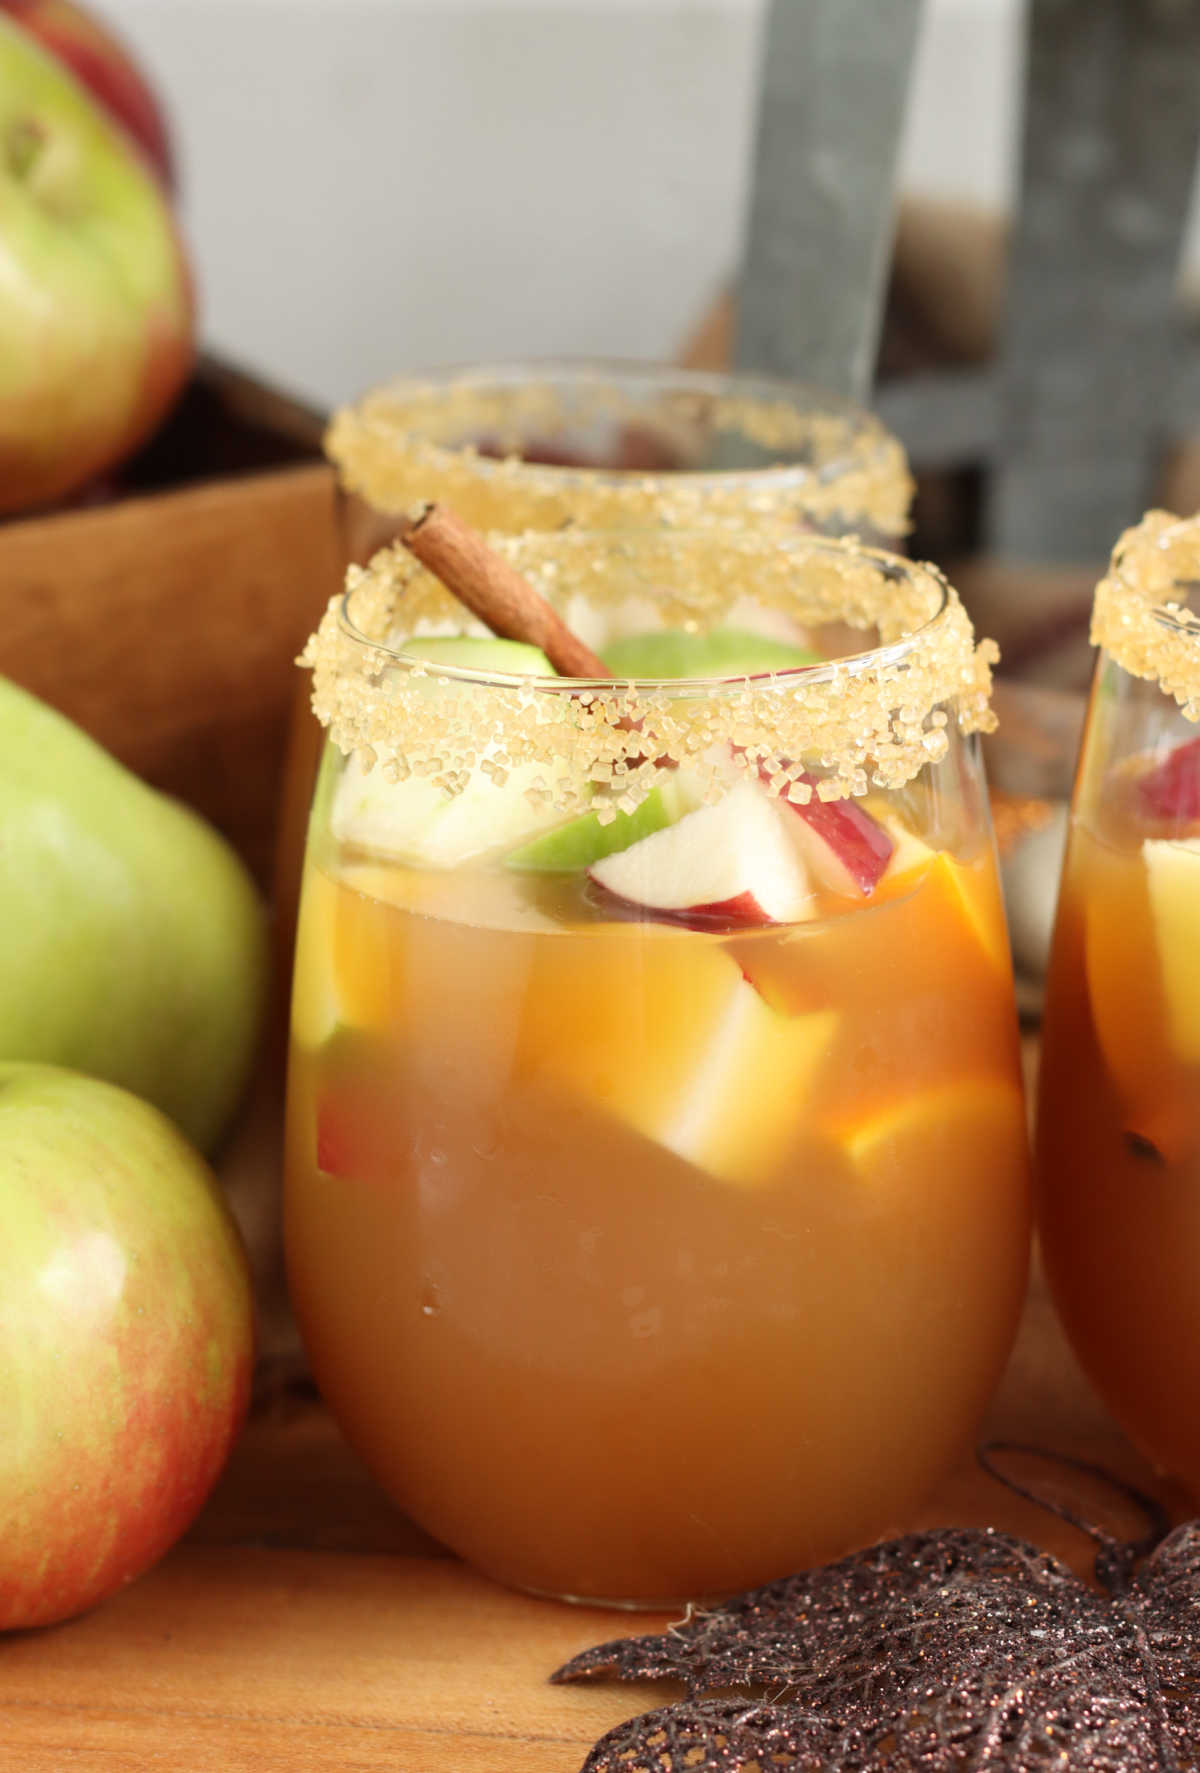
{"x": 493, "y": 590}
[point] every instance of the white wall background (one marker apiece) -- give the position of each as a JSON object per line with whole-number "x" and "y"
{"x": 372, "y": 185}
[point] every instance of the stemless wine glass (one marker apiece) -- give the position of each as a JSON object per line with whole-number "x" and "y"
{"x": 656, "y": 1201}
{"x": 1119, "y": 1101}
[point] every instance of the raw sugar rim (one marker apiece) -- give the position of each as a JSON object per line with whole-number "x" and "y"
{"x": 871, "y": 719}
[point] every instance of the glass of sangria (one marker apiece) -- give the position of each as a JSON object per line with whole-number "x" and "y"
{"x": 657, "y": 1201}
{"x": 1118, "y": 1137}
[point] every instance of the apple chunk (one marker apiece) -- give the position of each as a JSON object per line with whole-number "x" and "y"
{"x": 732, "y": 863}
{"x": 846, "y": 849}
{"x": 1173, "y": 877}
{"x": 1171, "y": 790}
{"x": 656, "y": 1028}
{"x": 417, "y": 822}
{"x": 581, "y": 841}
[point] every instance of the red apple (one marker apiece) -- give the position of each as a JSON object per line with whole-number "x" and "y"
{"x": 846, "y": 849}
{"x": 96, "y": 309}
{"x": 1171, "y": 790}
{"x": 125, "y": 1339}
{"x": 731, "y": 863}
{"x": 98, "y": 57}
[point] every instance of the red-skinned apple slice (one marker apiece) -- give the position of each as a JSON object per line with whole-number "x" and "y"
{"x": 732, "y": 863}
{"x": 1171, "y": 790}
{"x": 846, "y": 849}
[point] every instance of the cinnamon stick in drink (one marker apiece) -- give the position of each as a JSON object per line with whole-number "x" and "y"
{"x": 493, "y": 590}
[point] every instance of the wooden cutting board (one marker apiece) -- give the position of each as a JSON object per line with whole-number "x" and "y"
{"x": 304, "y": 1626}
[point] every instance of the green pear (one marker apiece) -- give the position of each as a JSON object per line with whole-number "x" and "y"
{"x": 132, "y": 940}
{"x": 723, "y": 652}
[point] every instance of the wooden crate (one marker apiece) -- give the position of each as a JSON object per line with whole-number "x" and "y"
{"x": 166, "y": 621}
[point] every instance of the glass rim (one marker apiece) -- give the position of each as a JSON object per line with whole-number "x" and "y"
{"x": 1170, "y": 614}
{"x": 874, "y": 717}
{"x": 891, "y": 567}
{"x": 387, "y": 439}
{"x": 1135, "y": 618}
{"x": 620, "y": 372}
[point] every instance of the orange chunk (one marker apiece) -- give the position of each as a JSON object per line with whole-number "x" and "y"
{"x": 968, "y": 893}
{"x": 1124, "y": 980}
{"x": 950, "y": 1129}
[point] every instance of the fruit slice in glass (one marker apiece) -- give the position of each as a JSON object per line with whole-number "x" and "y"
{"x": 1119, "y": 1101}
{"x": 657, "y": 1214}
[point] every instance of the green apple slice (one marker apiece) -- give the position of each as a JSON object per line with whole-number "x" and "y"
{"x": 1173, "y": 877}
{"x": 574, "y": 846}
{"x": 481, "y": 652}
{"x": 724, "y": 652}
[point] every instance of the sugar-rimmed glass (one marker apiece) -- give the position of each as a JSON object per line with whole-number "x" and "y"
{"x": 1119, "y": 1100}
{"x": 656, "y": 1219}
{"x": 615, "y": 445}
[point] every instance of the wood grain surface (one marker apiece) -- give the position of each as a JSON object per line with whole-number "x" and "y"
{"x": 305, "y": 1626}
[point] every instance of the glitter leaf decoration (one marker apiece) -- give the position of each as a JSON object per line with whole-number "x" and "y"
{"x": 964, "y": 1648}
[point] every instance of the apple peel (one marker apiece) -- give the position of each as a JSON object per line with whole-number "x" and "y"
{"x": 846, "y": 849}
{"x": 1171, "y": 790}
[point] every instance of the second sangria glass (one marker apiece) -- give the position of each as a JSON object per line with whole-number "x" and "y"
{"x": 1119, "y": 1099}
{"x": 656, "y": 1196}
{"x": 614, "y": 446}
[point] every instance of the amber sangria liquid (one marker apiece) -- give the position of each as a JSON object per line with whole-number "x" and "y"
{"x": 652, "y": 1280}
{"x": 1119, "y": 1115}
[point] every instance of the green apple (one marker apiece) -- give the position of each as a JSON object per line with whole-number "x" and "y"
{"x": 96, "y": 309}
{"x": 132, "y": 941}
{"x": 723, "y": 652}
{"x": 126, "y": 1339}
{"x": 571, "y": 847}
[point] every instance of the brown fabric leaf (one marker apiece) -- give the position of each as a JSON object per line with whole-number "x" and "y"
{"x": 959, "y": 1649}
